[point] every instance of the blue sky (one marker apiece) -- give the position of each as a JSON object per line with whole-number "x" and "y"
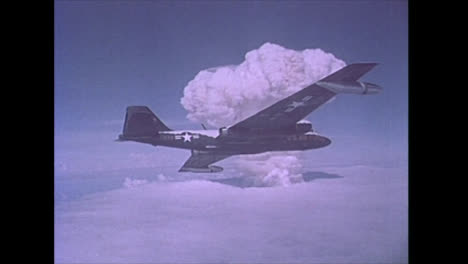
{"x": 111, "y": 54}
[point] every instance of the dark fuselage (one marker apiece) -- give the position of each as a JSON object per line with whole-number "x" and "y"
{"x": 206, "y": 140}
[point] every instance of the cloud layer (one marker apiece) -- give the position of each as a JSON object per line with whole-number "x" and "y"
{"x": 360, "y": 217}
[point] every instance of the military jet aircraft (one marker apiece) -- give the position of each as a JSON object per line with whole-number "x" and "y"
{"x": 278, "y": 127}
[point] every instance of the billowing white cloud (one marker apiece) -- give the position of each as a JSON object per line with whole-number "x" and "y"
{"x": 225, "y": 95}
{"x": 161, "y": 177}
{"x": 132, "y": 183}
{"x": 222, "y": 96}
{"x": 274, "y": 168}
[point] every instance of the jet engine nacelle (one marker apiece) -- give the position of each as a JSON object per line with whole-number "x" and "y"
{"x": 303, "y": 126}
{"x": 353, "y": 87}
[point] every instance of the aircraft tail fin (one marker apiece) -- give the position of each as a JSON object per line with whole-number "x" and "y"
{"x": 350, "y": 72}
{"x": 141, "y": 121}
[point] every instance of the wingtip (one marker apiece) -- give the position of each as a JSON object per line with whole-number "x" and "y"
{"x": 373, "y": 64}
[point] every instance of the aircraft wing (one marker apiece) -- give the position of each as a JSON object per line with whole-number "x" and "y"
{"x": 295, "y": 107}
{"x": 199, "y": 161}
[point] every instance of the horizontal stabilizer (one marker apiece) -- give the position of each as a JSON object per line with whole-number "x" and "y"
{"x": 199, "y": 161}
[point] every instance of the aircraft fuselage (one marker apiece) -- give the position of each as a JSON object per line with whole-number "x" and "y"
{"x": 209, "y": 140}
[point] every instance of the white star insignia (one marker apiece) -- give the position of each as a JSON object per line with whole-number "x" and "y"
{"x": 187, "y": 137}
{"x": 296, "y": 104}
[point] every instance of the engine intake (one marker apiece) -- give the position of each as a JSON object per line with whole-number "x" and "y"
{"x": 303, "y": 126}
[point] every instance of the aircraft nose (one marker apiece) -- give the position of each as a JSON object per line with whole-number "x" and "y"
{"x": 323, "y": 141}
